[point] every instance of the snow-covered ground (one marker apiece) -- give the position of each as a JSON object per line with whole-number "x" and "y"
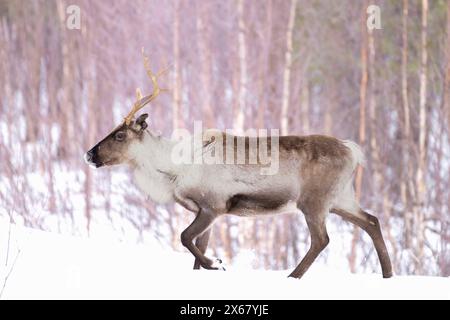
{"x": 52, "y": 266}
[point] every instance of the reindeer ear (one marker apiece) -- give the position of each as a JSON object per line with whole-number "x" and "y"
{"x": 140, "y": 121}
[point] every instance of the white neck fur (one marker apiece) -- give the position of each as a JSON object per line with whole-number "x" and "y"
{"x": 154, "y": 170}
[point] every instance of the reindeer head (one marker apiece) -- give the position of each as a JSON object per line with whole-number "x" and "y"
{"x": 113, "y": 149}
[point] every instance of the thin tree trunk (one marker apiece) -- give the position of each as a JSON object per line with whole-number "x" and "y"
{"x": 305, "y": 104}
{"x": 66, "y": 102}
{"x": 444, "y": 261}
{"x": 91, "y": 137}
{"x": 404, "y": 69}
{"x": 265, "y": 67}
{"x": 242, "y": 46}
{"x": 177, "y": 221}
{"x": 447, "y": 73}
{"x": 205, "y": 62}
{"x": 330, "y": 106}
{"x": 446, "y": 95}
{"x": 377, "y": 165}
{"x": 404, "y": 184}
{"x": 362, "y": 127}
{"x": 287, "y": 69}
{"x": 176, "y": 107}
{"x": 421, "y": 170}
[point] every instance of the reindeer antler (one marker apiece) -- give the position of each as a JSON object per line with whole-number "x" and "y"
{"x": 143, "y": 101}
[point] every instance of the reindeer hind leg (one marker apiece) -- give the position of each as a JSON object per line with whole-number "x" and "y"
{"x": 371, "y": 225}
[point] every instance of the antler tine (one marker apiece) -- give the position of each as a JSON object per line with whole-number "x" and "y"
{"x": 152, "y": 76}
{"x": 142, "y": 102}
{"x": 138, "y": 94}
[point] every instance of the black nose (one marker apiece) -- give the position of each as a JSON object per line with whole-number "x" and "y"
{"x": 89, "y": 155}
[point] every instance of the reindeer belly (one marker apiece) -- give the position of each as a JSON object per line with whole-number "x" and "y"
{"x": 232, "y": 190}
{"x": 260, "y": 204}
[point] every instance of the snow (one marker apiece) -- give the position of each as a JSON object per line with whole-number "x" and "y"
{"x": 54, "y": 266}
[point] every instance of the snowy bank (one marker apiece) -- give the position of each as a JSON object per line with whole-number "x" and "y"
{"x": 52, "y": 266}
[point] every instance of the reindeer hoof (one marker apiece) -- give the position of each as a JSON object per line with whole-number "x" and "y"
{"x": 218, "y": 265}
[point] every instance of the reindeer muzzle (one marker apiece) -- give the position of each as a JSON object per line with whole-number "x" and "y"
{"x": 91, "y": 158}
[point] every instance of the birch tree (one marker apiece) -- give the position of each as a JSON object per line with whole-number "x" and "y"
{"x": 287, "y": 69}
{"x": 242, "y": 53}
{"x": 407, "y": 166}
{"x": 362, "y": 125}
{"x": 421, "y": 204}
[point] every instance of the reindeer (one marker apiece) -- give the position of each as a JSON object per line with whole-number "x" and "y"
{"x": 315, "y": 176}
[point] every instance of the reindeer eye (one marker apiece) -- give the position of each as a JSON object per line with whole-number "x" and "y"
{"x": 120, "y": 136}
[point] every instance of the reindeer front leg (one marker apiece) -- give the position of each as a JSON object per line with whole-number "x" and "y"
{"x": 201, "y": 224}
{"x": 202, "y": 243}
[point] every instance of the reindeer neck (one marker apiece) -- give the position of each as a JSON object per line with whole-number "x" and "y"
{"x": 154, "y": 153}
